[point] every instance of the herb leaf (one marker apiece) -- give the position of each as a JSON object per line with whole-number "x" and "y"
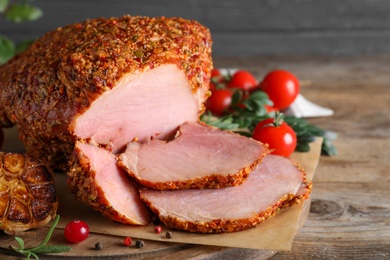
{"x": 3, "y": 5}
{"x": 18, "y": 13}
{"x": 42, "y": 248}
{"x": 7, "y": 49}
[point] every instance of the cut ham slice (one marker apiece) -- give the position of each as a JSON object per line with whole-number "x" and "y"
{"x": 275, "y": 183}
{"x": 200, "y": 156}
{"x": 97, "y": 180}
{"x": 152, "y": 103}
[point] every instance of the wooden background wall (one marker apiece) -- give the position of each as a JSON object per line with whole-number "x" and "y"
{"x": 244, "y": 27}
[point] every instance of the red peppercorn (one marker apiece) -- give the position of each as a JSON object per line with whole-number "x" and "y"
{"x": 157, "y": 229}
{"x": 127, "y": 241}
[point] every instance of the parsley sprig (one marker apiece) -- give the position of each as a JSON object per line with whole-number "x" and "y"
{"x": 16, "y": 12}
{"x": 42, "y": 248}
{"x": 248, "y": 109}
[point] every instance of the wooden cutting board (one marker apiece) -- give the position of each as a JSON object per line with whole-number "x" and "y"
{"x": 276, "y": 233}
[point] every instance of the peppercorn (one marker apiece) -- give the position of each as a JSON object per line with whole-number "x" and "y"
{"x": 98, "y": 246}
{"x": 168, "y": 234}
{"x": 157, "y": 229}
{"x": 139, "y": 243}
{"x": 127, "y": 241}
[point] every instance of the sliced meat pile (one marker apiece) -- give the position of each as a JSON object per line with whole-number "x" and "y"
{"x": 199, "y": 157}
{"x": 275, "y": 183}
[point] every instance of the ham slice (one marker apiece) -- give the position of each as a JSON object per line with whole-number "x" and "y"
{"x": 275, "y": 183}
{"x": 200, "y": 156}
{"x": 97, "y": 180}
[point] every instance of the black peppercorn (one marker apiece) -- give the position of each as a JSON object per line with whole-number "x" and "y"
{"x": 139, "y": 243}
{"x": 98, "y": 246}
{"x": 168, "y": 234}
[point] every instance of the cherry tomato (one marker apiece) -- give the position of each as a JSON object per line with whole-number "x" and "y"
{"x": 215, "y": 73}
{"x": 282, "y": 88}
{"x": 281, "y": 137}
{"x": 1, "y": 137}
{"x": 242, "y": 79}
{"x": 76, "y": 231}
{"x": 219, "y": 101}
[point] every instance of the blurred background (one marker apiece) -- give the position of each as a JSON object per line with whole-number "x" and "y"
{"x": 241, "y": 28}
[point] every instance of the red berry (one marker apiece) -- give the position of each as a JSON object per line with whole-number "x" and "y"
{"x": 157, "y": 229}
{"x": 76, "y": 231}
{"x": 127, "y": 241}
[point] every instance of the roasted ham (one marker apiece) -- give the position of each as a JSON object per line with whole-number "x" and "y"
{"x": 199, "y": 156}
{"x": 275, "y": 183}
{"x": 106, "y": 80}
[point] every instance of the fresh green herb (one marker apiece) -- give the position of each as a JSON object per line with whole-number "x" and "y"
{"x": 245, "y": 113}
{"x": 306, "y": 133}
{"x": 42, "y": 248}
{"x": 16, "y": 13}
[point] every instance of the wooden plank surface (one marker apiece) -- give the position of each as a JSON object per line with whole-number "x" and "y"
{"x": 246, "y": 27}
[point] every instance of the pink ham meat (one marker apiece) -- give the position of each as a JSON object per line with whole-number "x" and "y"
{"x": 142, "y": 105}
{"x": 97, "y": 180}
{"x": 200, "y": 156}
{"x": 275, "y": 183}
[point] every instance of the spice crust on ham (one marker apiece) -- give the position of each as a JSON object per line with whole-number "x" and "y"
{"x": 47, "y": 90}
{"x": 276, "y": 183}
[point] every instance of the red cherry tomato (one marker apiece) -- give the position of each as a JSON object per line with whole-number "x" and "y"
{"x": 282, "y": 138}
{"x": 76, "y": 231}
{"x": 282, "y": 88}
{"x": 242, "y": 79}
{"x": 219, "y": 101}
{"x": 1, "y": 137}
{"x": 215, "y": 73}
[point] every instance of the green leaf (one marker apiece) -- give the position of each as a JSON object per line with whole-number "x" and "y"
{"x": 51, "y": 249}
{"x": 236, "y": 98}
{"x": 41, "y": 248}
{"x": 20, "y": 242}
{"x": 18, "y": 13}
{"x": 7, "y": 49}
{"x": 3, "y": 5}
{"x": 23, "y": 46}
{"x": 302, "y": 147}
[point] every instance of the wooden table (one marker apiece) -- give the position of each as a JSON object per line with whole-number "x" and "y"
{"x": 350, "y": 212}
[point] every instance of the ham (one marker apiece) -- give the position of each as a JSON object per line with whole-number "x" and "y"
{"x": 97, "y": 180}
{"x": 199, "y": 157}
{"x": 108, "y": 81}
{"x": 275, "y": 183}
